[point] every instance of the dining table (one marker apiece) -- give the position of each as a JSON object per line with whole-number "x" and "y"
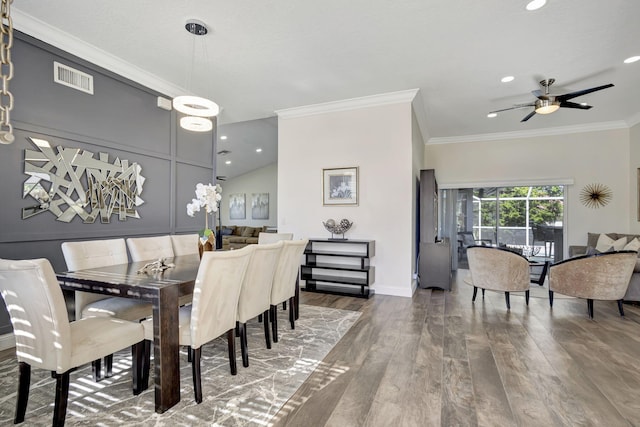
{"x": 162, "y": 289}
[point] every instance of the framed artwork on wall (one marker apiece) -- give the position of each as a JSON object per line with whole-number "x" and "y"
{"x": 237, "y": 206}
{"x": 340, "y": 187}
{"x": 260, "y": 206}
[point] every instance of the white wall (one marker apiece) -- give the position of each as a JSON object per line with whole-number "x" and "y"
{"x": 378, "y": 140}
{"x": 593, "y": 157}
{"x": 634, "y": 165}
{"x": 418, "y": 161}
{"x": 263, "y": 180}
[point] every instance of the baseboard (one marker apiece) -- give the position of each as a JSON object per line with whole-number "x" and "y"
{"x": 7, "y": 341}
{"x": 396, "y": 292}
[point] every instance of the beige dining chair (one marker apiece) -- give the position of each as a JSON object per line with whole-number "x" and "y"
{"x": 255, "y": 295}
{"x": 498, "y": 269}
{"x": 100, "y": 253}
{"x": 602, "y": 276}
{"x": 185, "y": 244}
{"x": 266, "y": 238}
{"x": 214, "y": 309}
{"x": 46, "y": 339}
{"x": 285, "y": 282}
{"x": 150, "y": 248}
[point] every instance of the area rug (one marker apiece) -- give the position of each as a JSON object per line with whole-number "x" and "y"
{"x": 250, "y": 398}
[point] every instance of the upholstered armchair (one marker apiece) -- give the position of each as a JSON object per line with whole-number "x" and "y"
{"x": 46, "y": 339}
{"x": 498, "y": 269}
{"x": 601, "y": 276}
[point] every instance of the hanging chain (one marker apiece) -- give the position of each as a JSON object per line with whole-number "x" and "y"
{"x": 6, "y": 72}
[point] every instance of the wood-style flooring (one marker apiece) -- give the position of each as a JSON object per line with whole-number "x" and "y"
{"x": 438, "y": 359}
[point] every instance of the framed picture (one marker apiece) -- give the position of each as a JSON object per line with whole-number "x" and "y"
{"x": 236, "y": 206}
{"x": 340, "y": 187}
{"x": 260, "y": 206}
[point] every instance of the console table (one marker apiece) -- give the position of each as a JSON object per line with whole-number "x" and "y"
{"x": 339, "y": 267}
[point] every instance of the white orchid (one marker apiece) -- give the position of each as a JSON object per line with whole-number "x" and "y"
{"x": 207, "y": 197}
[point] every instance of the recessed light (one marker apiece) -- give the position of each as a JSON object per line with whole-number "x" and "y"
{"x": 632, "y": 59}
{"x": 228, "y": 162}
{"x": 507, "y": 79}
{"x": 492, "y": 115}
{"x": 583, "y": 103}
{"x": 223, "y": 137}
{"x": 536, "y": 4}
{"x": 258, "y": 150}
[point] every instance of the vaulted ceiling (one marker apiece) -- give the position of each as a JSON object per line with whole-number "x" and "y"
{"x": 265, "y": 55}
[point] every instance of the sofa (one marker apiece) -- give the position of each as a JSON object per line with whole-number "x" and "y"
{"x": 236, "y": 237}
{"x": 607, "y": 242}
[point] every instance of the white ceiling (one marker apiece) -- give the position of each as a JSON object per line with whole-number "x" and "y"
{"x": 266, "y": 55}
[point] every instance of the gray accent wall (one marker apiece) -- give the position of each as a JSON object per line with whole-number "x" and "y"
{"x": 122, "y": 119}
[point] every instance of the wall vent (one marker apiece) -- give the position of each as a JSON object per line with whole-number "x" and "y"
{"x": 71, "y": 77}
{"x": 224, "y": 152}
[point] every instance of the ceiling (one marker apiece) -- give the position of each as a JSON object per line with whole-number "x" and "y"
{"x": 263, "y": 55}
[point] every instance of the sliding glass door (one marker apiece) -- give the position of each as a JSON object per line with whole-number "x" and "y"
{"x": 526, "y": 219}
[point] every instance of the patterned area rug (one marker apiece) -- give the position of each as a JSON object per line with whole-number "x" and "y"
{"x": 250, "y": 398}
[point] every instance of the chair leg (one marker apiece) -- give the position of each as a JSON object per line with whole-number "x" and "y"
{"x": 62, "y": 395}
{"x": 267, "y": 334}
{"x": 108, "y": 366}
{"x": 506, "y": 298}
{"x": 147, "y": 364}
{"x": 475, "y": 292}
{"x": 296, "y": 298}
{"x": 24, "y": 379}
{"x": 231, "y": 343}
{"x": 590, "y": 308}
{"x": 259, "y": 318}
{"x": 526, "y": 297}
{"x": 292, "y": 313}
{"x": 189, "y": 354}
{"x": 96, "y": 370}
{"x": 243, "y": 344}
{"x": 620, "y": 309}
{"x": 274, "y": 323}
{"x": 237, "y": 328}
{"x": 138, "y": 365}
{"x": 195, "y": 371}
{"x": 483, "y": 293}
{"x": 550, "y": 298}
{"x": 284, "y": 305}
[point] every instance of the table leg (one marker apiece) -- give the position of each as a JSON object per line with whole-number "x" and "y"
{"x": 166, "y": 350}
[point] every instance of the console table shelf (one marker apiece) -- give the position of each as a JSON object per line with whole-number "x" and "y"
{"x": 339, "y": 267}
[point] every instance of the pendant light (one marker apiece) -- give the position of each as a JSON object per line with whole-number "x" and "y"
{"x": 195, "y": 108}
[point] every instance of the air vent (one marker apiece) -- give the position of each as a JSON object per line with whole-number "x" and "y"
{"x": 224, "y": 152}
{"x": 71, "y": 77}
{"x": 221, "y": 178}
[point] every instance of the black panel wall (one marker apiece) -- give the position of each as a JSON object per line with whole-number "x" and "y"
{"x": 121, "y": 119}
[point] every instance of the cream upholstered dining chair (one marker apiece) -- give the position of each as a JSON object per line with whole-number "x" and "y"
{"x": 46, "y": 339}
{"x": 150, "y": 248}
{"x": 185, "y": 244}
{"x": 498, "y": 269}
{"x": 285, "y": 281}
{"x": 214, "y": 309}
{"x": 602, "y": 276}
{"x": 265, "y": 238}
{"x": 255, "y": 295}
{"x": 100, "y": 253}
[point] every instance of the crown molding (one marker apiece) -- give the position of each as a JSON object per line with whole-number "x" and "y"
{"x": 561, "y": 130}
{"x": 75, "y": 46}
{"x": 349, "y": 104}
{"x": 634, "y": 120}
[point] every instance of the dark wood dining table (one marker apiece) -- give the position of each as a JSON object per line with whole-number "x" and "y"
{"x": 162, "y": 289}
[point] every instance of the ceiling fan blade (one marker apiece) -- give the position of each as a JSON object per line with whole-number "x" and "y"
{"x": 567, "y": 104}
{"x": 515, "y": 107}
{"x": 572, "y": 95}
{"x": 528, "y": 116}
{"x": 539, "y": 94}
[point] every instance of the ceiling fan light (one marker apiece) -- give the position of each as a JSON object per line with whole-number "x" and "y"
{"x": 196, "y": 124}
{"x": 545, "y": 106}
{"x": 195, "y": 106}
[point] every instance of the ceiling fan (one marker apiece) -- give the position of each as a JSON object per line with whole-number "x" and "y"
{"x": 548, "y": 103}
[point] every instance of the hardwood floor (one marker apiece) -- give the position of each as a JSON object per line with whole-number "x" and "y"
{"x": 440, "y": 360}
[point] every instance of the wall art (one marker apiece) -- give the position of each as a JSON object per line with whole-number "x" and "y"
{"x": 340, "y": 186}
{"x": 260, "y": 206}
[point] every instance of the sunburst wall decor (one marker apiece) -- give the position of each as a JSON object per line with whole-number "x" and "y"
{"x": 595, "y": 195}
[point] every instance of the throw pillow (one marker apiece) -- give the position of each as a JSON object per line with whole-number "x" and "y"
{"x": 247, "y": 232}
{"x": 605, "y": 243}
{"x": 226, "y": 231}
{"x": 633, "y": 245}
